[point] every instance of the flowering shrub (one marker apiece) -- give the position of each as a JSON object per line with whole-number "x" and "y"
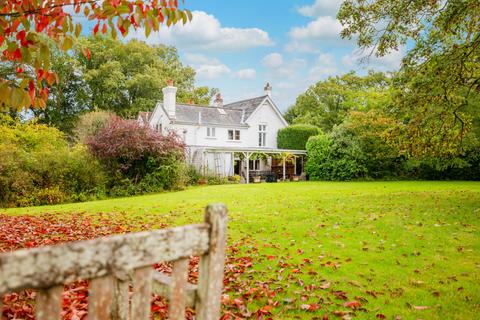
{"x": 137, "y": 158}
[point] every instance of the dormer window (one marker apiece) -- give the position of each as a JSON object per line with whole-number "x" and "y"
{"x": 234, "y": 135}
{"x": 210, "y": 132}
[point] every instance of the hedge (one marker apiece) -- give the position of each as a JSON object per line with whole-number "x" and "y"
{"x": 295, "y": 137}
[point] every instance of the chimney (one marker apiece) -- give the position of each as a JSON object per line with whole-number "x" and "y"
{"x": 170, "y": 98}
{"x": 268, "y": 90}
{"x": 218, "y": 102}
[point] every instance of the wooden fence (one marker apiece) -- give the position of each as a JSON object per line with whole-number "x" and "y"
{"x": 115, "y": 263}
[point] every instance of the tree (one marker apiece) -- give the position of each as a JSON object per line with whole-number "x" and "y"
{"x": 68, "y": 98}
{"x": 328, "y": 102}
{"x": 440, "y": 76}
{"x": 26, "y": 27}
{"x": 128, "y": 77}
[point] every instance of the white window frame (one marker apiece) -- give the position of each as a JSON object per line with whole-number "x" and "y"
{"x": 262, "y": 135}
{"x": 211, "y": 132}
{"x": 235, "y": 135}
{"x": 159, "y": 128}
{"x": 254, "y": 165}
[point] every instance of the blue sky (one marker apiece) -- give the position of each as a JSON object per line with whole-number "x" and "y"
{"x": 237, "y": 46}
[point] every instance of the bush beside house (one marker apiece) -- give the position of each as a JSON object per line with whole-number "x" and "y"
{"x": 120, "y": 158}
{"x": 336, "y": 156}
{"x": 365, "y": 145}
{"x": 295, "y": 137}
{"x": 39, "y": 167}
{"x": 138, "y": 159}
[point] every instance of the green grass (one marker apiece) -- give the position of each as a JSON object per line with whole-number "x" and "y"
{"x": 412, "y": 243}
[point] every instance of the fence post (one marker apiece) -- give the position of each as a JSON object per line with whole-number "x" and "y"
{"x": 210, "y": 281}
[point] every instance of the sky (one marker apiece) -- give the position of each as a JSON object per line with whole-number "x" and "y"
{"x": 237, "y": 46}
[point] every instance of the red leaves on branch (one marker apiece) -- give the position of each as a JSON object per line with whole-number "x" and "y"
{"x": 21, "y": 21}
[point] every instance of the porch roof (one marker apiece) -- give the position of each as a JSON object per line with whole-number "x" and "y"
{"x": 251, "y": 150}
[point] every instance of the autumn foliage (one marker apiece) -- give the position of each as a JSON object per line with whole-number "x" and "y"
{"x": 138, "y": 153}
{"x": 28, "y": 29}
{"x": 33, "y": 231}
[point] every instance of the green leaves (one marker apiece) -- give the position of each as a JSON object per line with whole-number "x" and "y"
{"x": 439, "y": 83}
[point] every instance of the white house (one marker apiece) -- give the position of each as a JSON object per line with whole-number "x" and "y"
{"x": 238, "y": 138}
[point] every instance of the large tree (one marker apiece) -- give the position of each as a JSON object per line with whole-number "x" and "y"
{"x": 327, "y": 103}
{"x": 439, "y": 83}
{"x": 69, "y": 97}
{"x": 27, "y": 27}
{"x": 128, "y": 77}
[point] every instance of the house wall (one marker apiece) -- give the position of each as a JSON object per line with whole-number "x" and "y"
{"x": 195, "y": 136}
{"x": 265, "y": 114}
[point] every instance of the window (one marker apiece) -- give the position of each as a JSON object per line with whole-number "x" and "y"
{"x": 254, "y": 165}
{"x": 210, "y": 132}
{"x": 262, "y": 135}
{"x": 234, "y": 135}
{"x": 158, "y": 127}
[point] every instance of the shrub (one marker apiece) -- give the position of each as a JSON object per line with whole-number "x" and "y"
{"x": 139, "y": 159}
{"x": 193, "y": 176}
{"x": 336, "y": 156}
{"x": 89, "y": 124}
{"x": 376, "y": 137}
{"x": 38, "y": 167}
{"x": 295, "y": 137}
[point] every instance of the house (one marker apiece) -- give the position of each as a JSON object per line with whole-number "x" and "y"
{"x": 238, "y": 138}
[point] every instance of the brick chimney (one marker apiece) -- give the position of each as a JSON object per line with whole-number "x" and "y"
{"x": 268, "y": 89}
{"x": 170, "y": 98}
{"x": 218, "y": 102}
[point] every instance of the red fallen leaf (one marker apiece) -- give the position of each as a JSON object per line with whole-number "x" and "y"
{"x": 380, "y": 316}
{"x": 352, "y": 304}
{"x": 325, "y": 317}
{"x": 340, "y": 295}
{"x": 339, "y": 313}
{"x": 19, "y": 70}
{"x": 270, "y": 257}
{"x": 420, "y": 307}
{"x": 310, "y": 307}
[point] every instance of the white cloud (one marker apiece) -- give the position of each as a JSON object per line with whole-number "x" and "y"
{"x": 361, "y": 59}
{"x": 209, "y": 72}
{"x": 246, "y": 74}
{"x": 323, "y": 28}
{"x": 207, "y": 68}
{"x": 321, "y": 8}
{"x": 324, "y": 66}
{"x": 272, "y": 60}
{"x": 206, "y": 33}
{"x": 317, "y": 33}
{"x": 287, "y": 70}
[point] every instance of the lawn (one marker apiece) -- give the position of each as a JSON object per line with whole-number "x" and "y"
{"x": 365, "y": 250}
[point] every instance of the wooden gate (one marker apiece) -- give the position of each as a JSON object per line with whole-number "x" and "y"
{"x": 115, "y": 263}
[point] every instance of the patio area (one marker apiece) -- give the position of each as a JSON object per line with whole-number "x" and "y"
{"x": 252, "y": 165}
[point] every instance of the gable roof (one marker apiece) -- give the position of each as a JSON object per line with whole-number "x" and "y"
{"x": 195, "y": 114}
{"x": 248, "y": 105}
{"x": 144, "y": 116}
{"x": 231, "y": 114}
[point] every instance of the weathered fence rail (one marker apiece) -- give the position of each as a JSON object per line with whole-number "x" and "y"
{"x": 115, "y": 263}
